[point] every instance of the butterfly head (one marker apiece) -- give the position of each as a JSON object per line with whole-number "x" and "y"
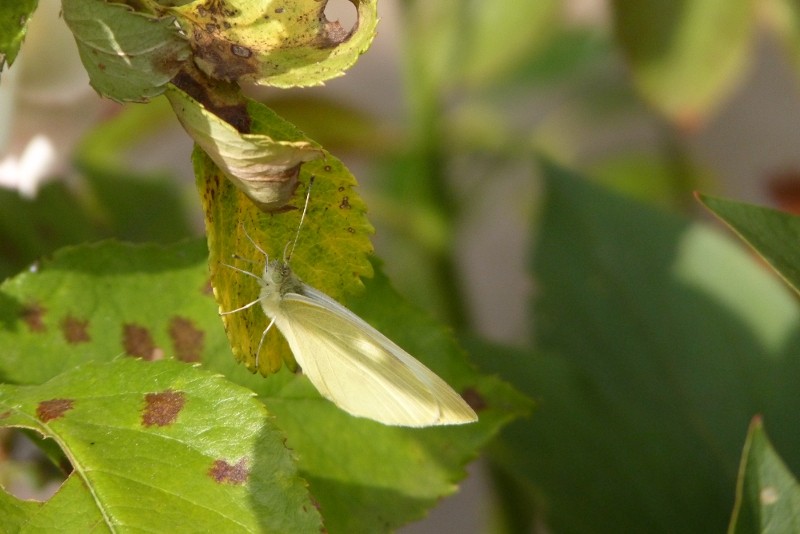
{"x": 277, "y": 280}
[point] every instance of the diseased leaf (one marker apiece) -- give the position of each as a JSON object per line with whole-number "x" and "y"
{"x": 685, "y": 56}
{"x": 331, "y": 252}
{"x": 773, "y": 234}
{"x": 14, "y": 17}
{"x": 152, "y": 444}
{"x": 130, "y": 56}
{"x": 101, "y": 302}
{"x": 272, "y": 42}
{"x": 767, "y": 494}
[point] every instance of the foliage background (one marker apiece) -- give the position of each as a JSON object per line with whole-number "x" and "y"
{"x": 406, "y": 117}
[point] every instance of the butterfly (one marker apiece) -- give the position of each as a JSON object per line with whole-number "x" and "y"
{"x": 348, "y": 361}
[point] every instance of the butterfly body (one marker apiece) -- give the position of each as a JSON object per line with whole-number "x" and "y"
{"x": 351, "y": 363}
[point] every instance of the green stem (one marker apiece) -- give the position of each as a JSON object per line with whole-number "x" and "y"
{"x": 426, "y": 112}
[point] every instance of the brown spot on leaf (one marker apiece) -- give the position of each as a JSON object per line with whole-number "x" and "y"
{"x": 327, "y": 168}
{"x": 53, "y": 409}
{"x": 225, "y": 473}
{"x": 32, "y": 315}
{"x": 351, "y": 229}
{"x": 241, "y": 51}
{"x": 345, "y": 203}
{"x": 474, "y": 399}
{"x": 138, "y": 342}
{"x": 187, "y": 341}
{"x": 75, "y": 330}
{"x": 162, "y": 409}
{"x": 5, "y": 415}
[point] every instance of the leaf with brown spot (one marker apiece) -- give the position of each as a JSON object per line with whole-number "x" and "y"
{"x": 53, "y": 409}
{"x": 225, "y": 473}
{"x": 138, "y": 342}
{"x": 187, "y": 340}
{"x": 162, "y": 409}
{"x": 75, "y": 330}
{"x": 273, "y": 42}
{"x": 158, "y": 476}
{"x": 32, "y": 315}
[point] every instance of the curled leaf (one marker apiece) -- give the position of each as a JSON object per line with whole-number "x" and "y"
{"x": 262, "y": 158}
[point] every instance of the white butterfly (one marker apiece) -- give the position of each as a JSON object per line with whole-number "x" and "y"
{"x": 349, "y": 362}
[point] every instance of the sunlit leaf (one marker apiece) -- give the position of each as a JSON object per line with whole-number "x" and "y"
{"x": 272, "y": 42}
{"x": 14, "y": 17}
{"x": 331, "y": 253}
{"x": 525, "y": 26}
{"x": 257, "y": 150}
{"x": 129, "y": 56}
{"x": 105, "y": 301}
{"x": 773, "y": 234}
{"x": 154, "y": 445}
{"x": 685, "y": 56}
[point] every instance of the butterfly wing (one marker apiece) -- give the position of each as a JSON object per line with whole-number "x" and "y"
{"x": 360, "y": 369}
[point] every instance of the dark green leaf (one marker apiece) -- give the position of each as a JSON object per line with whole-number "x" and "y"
{"x": 767, "y": 494}
{"x": 14, "y": 17}
{"x": 773, "y": 234}
{"x": 657, "y": 341}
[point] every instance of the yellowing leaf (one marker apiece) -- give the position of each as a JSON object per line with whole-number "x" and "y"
{"x": 272, "y": 42}
{"x": 331, "y": 254}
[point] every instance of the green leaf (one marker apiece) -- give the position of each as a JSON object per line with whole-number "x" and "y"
{"x": 767, "y": 494}
{"x": 129, "y": 56}
{"x": 657, "y": 341}
{"x": 30, "y": 228}
{"x": 772, "y": 233}
{"x": 526, "y": 28}
{"x": 14, "y": 17}
{"x": 785, "y": 18}
{"x": 102, "y": 301}
{"x": 271, "y": 42}
{"x": 97, "y": 302}
{"x": 153, "y": 445}
{"x": 684, "y": 56}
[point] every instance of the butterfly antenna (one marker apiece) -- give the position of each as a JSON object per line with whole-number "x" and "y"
{"x": 286, "y": 257}
{"x": 266, "y": 256}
